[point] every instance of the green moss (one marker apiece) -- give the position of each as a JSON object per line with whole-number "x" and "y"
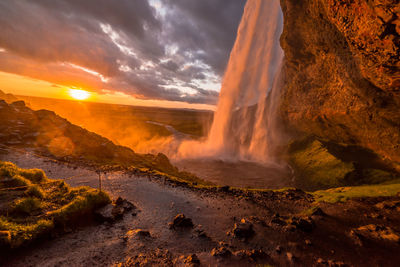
{"x": 35, "y": 191}
{"x": 42, "y": 206}
{"x": 342, "y": 194}
{"x": 87, "y": 199}
{"x": 26, "y": 206}
{"x": 18, "y": 181}
{"x": 375, "y": 176}
{"x": 34, "y": 175}
{"x": 317, "y": 168}
{"x": 8, "y": 169}
{"x": 21, "y": 177}
{"x": 22, "y": 234}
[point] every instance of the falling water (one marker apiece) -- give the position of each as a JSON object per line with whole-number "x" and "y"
{"x": 244, "y": 125}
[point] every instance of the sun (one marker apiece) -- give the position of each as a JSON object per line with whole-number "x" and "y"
{"x": 79, "y": 94}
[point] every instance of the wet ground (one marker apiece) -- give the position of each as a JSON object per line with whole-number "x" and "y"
{"x": 239, "y": 174}
{"x": 215, "y": 213}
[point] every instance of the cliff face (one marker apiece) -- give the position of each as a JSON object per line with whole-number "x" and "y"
{"x": 342, "y": 72}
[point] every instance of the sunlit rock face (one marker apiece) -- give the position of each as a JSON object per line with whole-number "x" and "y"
{"x": 342, "y": 73}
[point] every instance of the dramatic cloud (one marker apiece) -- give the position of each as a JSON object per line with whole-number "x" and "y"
{"x": 151, "y": 49}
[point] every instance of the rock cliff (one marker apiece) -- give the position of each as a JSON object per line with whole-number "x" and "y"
{"x": 342, "y": 72}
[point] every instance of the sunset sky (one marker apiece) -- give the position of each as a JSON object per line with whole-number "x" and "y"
{"x": 169, "y": 53}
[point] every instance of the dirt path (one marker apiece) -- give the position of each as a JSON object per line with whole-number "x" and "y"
{"x": 215, "y": 213}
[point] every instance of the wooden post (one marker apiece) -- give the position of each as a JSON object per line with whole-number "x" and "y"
{"x": 99, "y": 173}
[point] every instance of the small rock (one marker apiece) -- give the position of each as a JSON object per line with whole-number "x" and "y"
{"x": 223, "y": 252}
{"x": 200, "y": 232}
{"x": 308, "y": 242}
{"x": 278, "y": 249}
{"x": 181, "y": 221}
{"x": 390, "y": 205}
{"x": 290, "y": 256}
{"x": 142, "y": 233}
{"x": 318, "y": 212}
{"x": 303, "y": 224}
{"x": 224, "y": 188}
{"x": 138, "y": 233}
{"x": 192, "y": 260}
{"x": 125, "y": 204}
{"x": 117, "y": 212}
{"x": 251, "y": 254}
{"x": 322, "y": 261}
{"x": 5, "y": 238}
{"x": 277, "y": 220}
{"x": 243, "y": 229}
{"x": 377, "y": 232}
{"x": 104, "y": 214}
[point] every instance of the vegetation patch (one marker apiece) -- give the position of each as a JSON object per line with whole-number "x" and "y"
{"x": 342, "y": 194}
{"x": 315, "y": 167}
{"x": 33, "y": 206}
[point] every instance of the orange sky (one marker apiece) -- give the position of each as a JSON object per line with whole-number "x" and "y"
{"x": 22, "y": 85}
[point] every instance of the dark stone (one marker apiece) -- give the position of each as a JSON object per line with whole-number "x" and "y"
{"x": 104, "y": 214}
{"x": 305, "y": 225}
{"x": 253, "y": 254}
{"x": 318, "y": 212}
{"x": 243, "y": 229}
{"x": 124, "y": 204}
{"x": 192, "y": 260}
{"x": 181, "y": 221}
{"x": 223, "y": 252}
{"x": 142, "y": 233}
{"x": 224, "y": 188}
{"x": 290, "y": 256}
{"x": 117, "y": 212}
{"x": 278, "y": 221}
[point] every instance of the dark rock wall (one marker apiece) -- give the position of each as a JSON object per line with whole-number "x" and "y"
{"x": 342, "y": 78}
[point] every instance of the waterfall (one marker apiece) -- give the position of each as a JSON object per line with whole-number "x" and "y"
{"x": 244, "y": 125}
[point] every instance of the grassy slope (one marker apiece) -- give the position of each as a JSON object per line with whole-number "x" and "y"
{"x": 38, "y": 205}
{"x": 341, "y": 194}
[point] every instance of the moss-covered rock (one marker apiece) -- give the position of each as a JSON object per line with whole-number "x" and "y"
{"x": 315, "y": 167}
{"x": 41, "y": 207}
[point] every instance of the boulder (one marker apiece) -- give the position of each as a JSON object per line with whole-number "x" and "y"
{"x": 318, "y": 212}
{"x": 276, "y": 219}
{"x": 243, "y": 229}
{"x": 222, "y": 252}
{"x": 374, "y": 232}
{"x": 224, "y": 188}
{"x": 117, "y": 212}
{"x": 303, "y": 224}
{"x": 125, "y": 204}
{"x": 113, "y": 212}
{"x": 180, "y": 221}
{"x": 139, "y": 233}
{"x": 253, "y": 254}
{"x": 192, "y": 260}
{"x": 104, "y": 214}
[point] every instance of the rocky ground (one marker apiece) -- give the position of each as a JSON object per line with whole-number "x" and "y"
{"x": 181, "y": 226}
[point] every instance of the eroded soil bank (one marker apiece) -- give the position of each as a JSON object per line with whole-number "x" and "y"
{"x": 356, "y": 233}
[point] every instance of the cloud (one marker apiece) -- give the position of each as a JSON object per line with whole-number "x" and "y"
{"x": 158, "y": 49}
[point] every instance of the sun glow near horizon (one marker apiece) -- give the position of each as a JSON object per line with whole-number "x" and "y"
{"x": 79, "y": 94}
